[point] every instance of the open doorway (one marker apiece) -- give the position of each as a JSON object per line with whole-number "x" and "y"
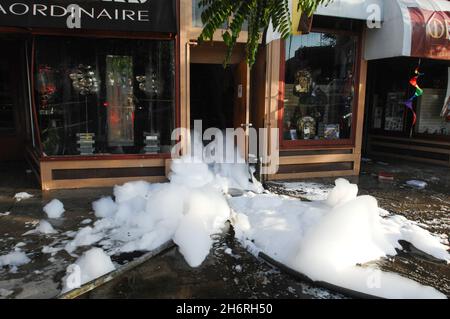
{"x": 14, "y": 108}
{"x": 212, "y": 95}
{"x": 13, "y": 99}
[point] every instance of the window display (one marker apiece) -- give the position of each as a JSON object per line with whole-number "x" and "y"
{"x": 104, "y": 96}
{"x": 395, "y": 97}
{"x": 319, "y": 86}
{"x": 395, "y": 110}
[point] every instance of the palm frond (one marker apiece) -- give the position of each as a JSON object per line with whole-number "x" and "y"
{"x": 257, "y": 13}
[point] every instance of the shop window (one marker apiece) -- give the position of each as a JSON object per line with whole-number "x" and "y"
{"x": 104, "y": 96}
{"x": 389, "y": 88}
{"x": 320, "y": 71}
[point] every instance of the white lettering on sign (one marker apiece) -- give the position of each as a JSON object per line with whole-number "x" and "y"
{"x": 439, "y": 29}
{"x": 76, "y": 13}
{"x": 129, "y": 1}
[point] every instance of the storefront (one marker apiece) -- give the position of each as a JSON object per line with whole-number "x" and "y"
{"x": 419, "y": 131}
{"x": 89, "y": 99}
{"x": 96, "y": 105}
{"x": 316, "y": 82}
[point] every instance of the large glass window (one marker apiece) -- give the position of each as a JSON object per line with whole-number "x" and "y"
{"x": 320, "y": 73}
{"x": 104, "y": 96}
{"x": 389, "y": 88}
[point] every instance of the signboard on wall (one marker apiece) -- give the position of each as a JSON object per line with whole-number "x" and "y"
{"x": 430, "y": 33}
{"x": 118, "y": 15}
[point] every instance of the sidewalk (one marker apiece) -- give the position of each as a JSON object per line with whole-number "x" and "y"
{"x": 229, "y": 271}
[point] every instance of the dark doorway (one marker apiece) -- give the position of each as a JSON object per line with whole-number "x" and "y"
{"x": 13, "y": 100}
{"x": 213, "y": 95}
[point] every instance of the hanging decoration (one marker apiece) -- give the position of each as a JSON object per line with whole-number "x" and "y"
{"x": 148, "y": 83}
{"x": 46, "y": 85}
{"x": 419, "y": 92}
{"x": 85, "y": 83}
{"x": 84, "y": 80}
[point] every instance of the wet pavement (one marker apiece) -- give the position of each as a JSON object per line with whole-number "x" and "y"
{"x": 430, "y": 207}
{"x": 41, "y": 277}
{"x": 229, "y": 271}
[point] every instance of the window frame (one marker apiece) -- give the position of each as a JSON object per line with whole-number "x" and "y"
{"x": 345, "y": 143}
{"x": 104, "y": 35}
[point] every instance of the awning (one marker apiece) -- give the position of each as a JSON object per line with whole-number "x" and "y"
{"x": 417, "y": 28}
{"x": 352, "y": 9}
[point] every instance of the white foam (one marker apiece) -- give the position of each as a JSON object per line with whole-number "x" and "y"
{"x": 326, "y": 240}
{"x": 22, "y": 196}
{"x": 54, "y": 209}
{"x": 91, "y": 265}
{"x": 44, "y": 227}
{"x": 104, "y": 207}
{"x": 14, "y": 259}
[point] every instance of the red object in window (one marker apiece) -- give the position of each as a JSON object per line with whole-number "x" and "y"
{"x": 414, "y": 81}
{"x": 114, "y": 118}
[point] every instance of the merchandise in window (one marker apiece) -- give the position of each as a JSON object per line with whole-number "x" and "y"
{"x": 319, "y": 86}
{"x": 390, "y": 88}
{"x": 104, "y": 96}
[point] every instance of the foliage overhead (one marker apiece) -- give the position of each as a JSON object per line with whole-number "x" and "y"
{"x": 232, "y": 15}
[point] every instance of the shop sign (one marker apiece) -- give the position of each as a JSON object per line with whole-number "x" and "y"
{"x": 118, "y": 15}
{"x": 430, "y": 33}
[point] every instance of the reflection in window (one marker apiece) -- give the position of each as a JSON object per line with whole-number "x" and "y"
{"x": 108, "y": 96}
{"x": 389, "y": 88}
{"x": 319, "y": 91}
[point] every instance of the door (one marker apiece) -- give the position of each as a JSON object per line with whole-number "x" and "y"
{"x": 11, "y": 102}
{"x": 242, "y": 103}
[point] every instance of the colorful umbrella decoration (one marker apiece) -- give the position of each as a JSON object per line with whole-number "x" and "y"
{"x": 419, "y": 92}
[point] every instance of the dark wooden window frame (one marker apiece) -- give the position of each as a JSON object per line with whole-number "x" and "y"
{"x": 96, "y": 34}
{"x": 289, "y": 144}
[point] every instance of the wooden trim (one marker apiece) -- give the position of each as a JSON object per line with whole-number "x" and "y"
{"x": 33, "y": 98}
{"x": 413, "y": 147}
{"x": 358, "y": 120}
{"x": 185, "y": 20}
{"x": 47, "y": 182}
{"x": 89, "y": 33}
{"x": 102, "y": 164}
{"x": 215, "y": 52}
{"x": 86, "y": 33}
{"x": 177, "y": 69}
{"x": 410, "y": 158}
{"x": 273, "y": 91}
{"x": 320, "y": 148}
{"x": 295, "y": 176}
{"x": 104, "y": 157}
{"x": 437, "y": 138}
{"x": 194, "y": 33}
{"x": 317, "y": 159}
{"x": 98, "y": 182}
{"x": 405, "y": 139}
{"x": 14, "y": 30}
{"x": 360, "y": 69}
{"x": 287, "y": 144}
